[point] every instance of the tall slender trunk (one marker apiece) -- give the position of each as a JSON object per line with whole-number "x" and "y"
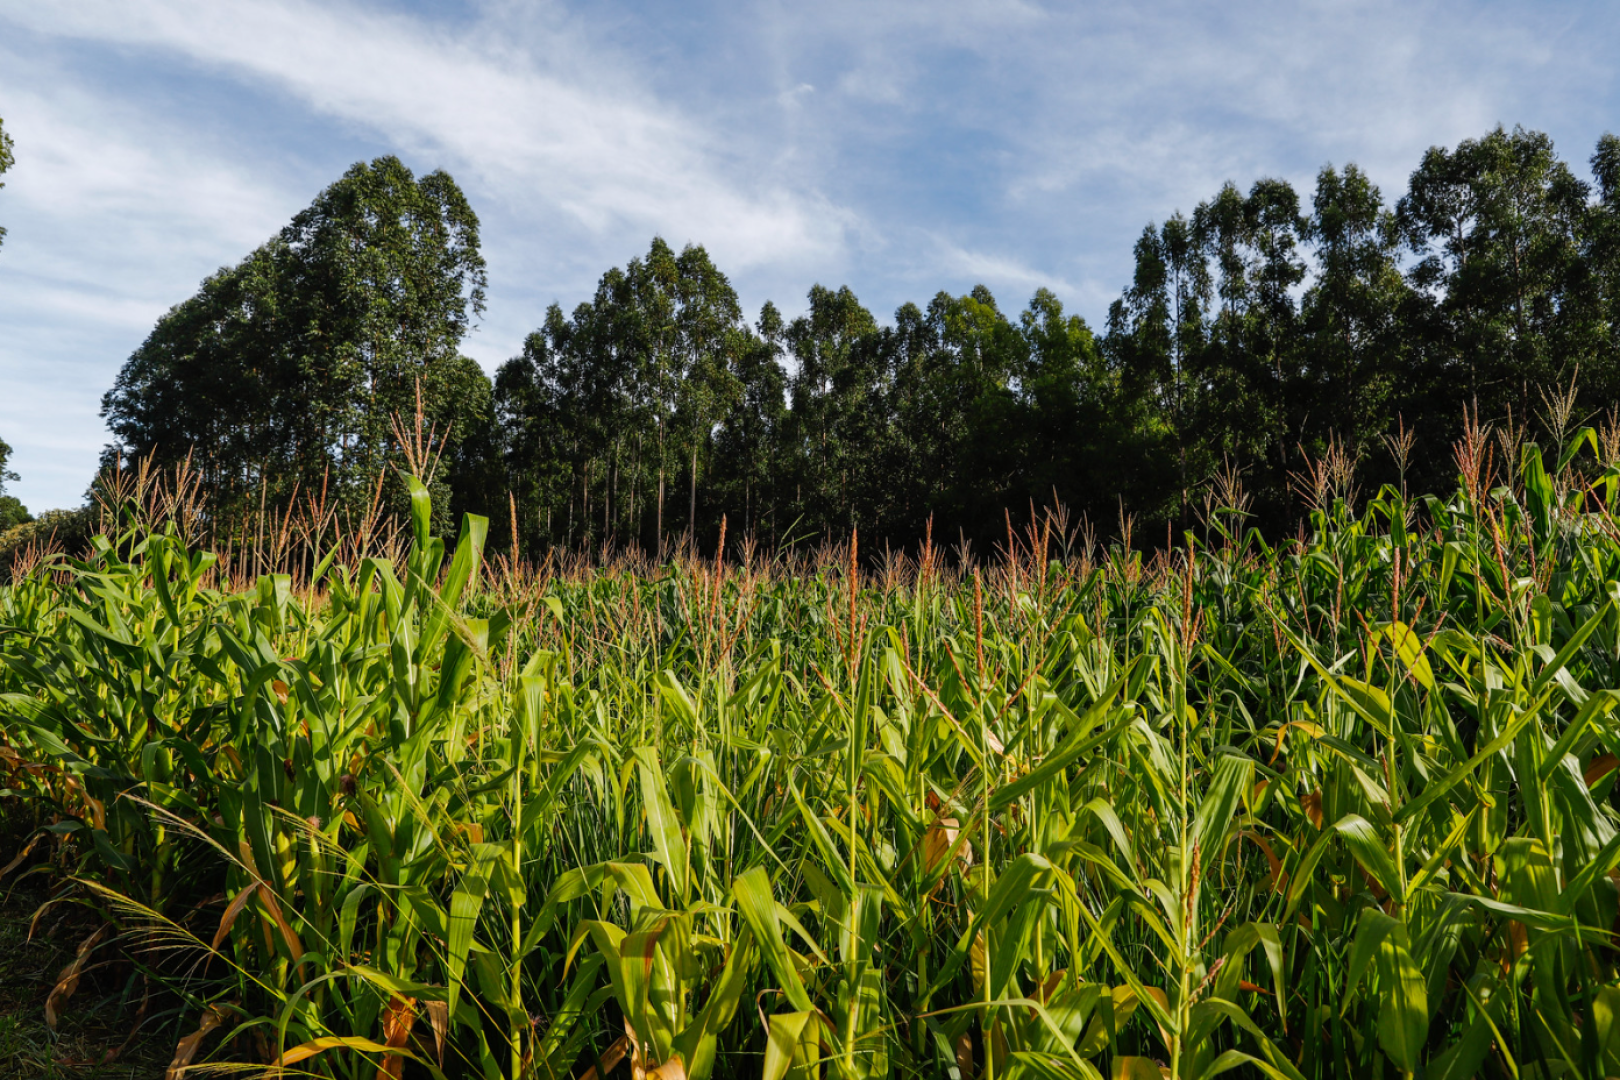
{"x": 635, "y": 491}
{"x": 691, "y": 502}
{"x": 1181, "y": 434}
{"x": 585, "y": 505}
{"x": 659, "y": 522}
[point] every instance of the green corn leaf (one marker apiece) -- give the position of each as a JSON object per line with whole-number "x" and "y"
{"x": 785, "y": 1043}
{"x": 1403, "y": 1008}
{"x": 757, "y": 904}
{"x": 697, "y": 1044}
{"x": 669, "y": 842}
{"x": 1216, "y": 813}
{"x": 421, "y": 512}
{"x": 1442, "y": 852}
{"x": 465, "y": 904}
{"x": 1436, "y": 789}
{"x": 1074, "y": 748}
{"x": 1364, "y": 844}
{"x": 1409, "y": 650}
{"x": 1026, "y": 873}
{"x": 1368, "y": 848}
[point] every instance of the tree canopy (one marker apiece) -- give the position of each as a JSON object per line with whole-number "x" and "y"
{"x": 12, "y": 511}
{"x": 293, "y": 367}
{"x": 8, "y": 158}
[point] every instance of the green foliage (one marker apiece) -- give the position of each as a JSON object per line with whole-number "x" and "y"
{"x": 291, "y": 370}
{"x": 954, "y": 411}
{"x": 1352, "y": 314}
{"x": 8, "y": 158}
{"x": 52, "y": 531}
{"x": 1495, "y": 225}
{"x": 605, "y": 408}
{"x": 12, "y": 512}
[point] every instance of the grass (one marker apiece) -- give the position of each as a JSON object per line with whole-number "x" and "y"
{"x": 1343, "y": 807}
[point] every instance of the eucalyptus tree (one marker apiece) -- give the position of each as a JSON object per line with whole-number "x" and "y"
{"x": 1353, "y": 343}
{"x": 834, "y": 390}
{"x": 600, "y": 360}
{"x": 645, "y": 314}
{"x": 539, "y": 429}
{"x": 970, "y": 382}
{"x": 381, "y": 280}
{"x": 293, "y": 367}
{"x": 1245, "y": 372}
{"x": 212, "y": 379}
{"x": 1496, "y": 226}
{"x": 680, "y": 318}
{"x": 916, "y": 487}
{"x": 1076, "y": 439}
{"x": 628, "y": 389}
{"x": 1602, "y": 254}
{"x": 748, "y": 442}
{"x": 8, "y": 158}
{"x": 12, "y": 511}
{"x": 1156, "y": 332}
{"x": 713, "y": 339}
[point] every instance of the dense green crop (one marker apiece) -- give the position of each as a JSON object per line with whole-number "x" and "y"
{"x": 1342, "y": 808}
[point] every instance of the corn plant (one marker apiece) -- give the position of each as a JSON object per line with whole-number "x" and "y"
{"x": 1339, "y": 807}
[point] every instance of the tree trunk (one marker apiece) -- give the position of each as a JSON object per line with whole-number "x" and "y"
{"x": 635, "y": 492}
{"x": 691, "y": 502}
{"x": 585, "y": 505}
{"x": 659, "y": 545}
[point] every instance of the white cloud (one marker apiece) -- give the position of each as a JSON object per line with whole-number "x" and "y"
{"x": 1164, "y": 101}
{"x": 115, "y": 188}
{"x": 978, "y": 267}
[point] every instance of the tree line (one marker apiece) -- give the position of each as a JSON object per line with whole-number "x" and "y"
{"x": 1264, "y": 333}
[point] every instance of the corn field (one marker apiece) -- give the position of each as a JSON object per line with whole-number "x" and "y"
{"x": 1340, "y": 807}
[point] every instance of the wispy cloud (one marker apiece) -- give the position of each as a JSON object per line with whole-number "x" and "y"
{"x": 113, "y": 215}
{"x": 580, "y": 138}
{"x": 1046, "y": 135}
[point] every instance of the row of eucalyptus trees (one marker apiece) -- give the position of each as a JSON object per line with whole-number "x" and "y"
{"x": 1261, "y": 333}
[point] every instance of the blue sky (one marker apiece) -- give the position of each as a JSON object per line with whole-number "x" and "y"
{"x": 899, "y": 148}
